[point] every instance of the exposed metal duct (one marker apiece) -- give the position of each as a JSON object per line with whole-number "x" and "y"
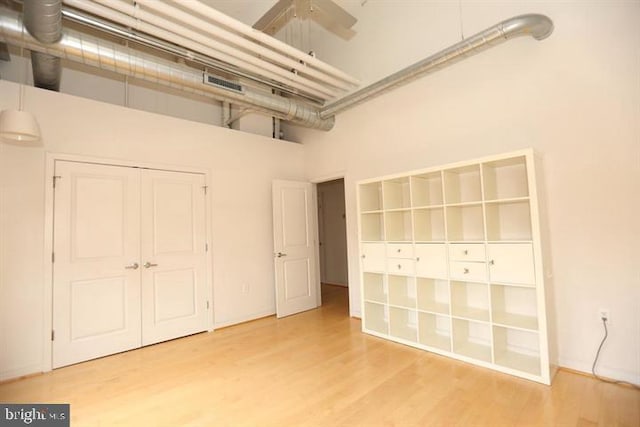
{"x": 94, "y": 52}
{"x": 43, "y": 20}
{"x": 175, "y": 49}
{"x": 538, "y": 26}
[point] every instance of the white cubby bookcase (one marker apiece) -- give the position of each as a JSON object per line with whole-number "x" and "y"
{"x": 452, "y": 262}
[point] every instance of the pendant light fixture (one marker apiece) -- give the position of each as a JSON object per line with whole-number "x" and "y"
{"x": 19, "y": 126}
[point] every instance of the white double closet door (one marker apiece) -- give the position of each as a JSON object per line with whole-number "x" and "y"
{"x": 129, "y": 259}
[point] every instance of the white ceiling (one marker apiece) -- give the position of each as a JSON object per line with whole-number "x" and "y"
{"x": 247, "y": 11}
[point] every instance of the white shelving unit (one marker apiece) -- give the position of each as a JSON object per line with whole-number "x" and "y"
{"x": 452, "y": 263}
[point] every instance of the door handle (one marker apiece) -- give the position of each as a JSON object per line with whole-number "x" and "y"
{"x": 280, "y": 254}
{"x": 148, "y": 264}
{"x": 133, "y": 266}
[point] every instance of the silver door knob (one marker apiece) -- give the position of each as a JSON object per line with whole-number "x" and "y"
{"x": 148, "y": 265}
{"x": 133, "y": 266}
{"x": 280, "y": 254}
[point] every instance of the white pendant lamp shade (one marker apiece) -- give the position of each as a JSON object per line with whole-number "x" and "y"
{"x": 19, "y": 126}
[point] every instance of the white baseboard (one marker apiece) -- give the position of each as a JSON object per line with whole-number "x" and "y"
{"x": 614, "y": 374}
{"x": 243, "y": 319}
{"x": 21, "y": 371}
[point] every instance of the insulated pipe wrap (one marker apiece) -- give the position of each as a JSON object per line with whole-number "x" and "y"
{"x": 91, "y": 51}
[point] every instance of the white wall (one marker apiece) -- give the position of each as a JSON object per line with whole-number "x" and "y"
{"x": 242, "y": 167}
{"x": 574, "y": 97}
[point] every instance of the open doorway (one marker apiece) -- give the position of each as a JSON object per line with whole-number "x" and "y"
{"x": 332, "y": 233}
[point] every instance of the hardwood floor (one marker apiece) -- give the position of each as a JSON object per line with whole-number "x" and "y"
{"x": 313, "y": 369}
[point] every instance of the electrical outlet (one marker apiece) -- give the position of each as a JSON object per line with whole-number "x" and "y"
{"x": 603, "y": 313}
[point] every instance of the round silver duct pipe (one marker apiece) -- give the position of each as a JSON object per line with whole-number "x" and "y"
{"x": 537, "y": 26}
{"x": 43, "y": 20}
{"x": 79, "y": 47}
{"x": 94, "y": 52}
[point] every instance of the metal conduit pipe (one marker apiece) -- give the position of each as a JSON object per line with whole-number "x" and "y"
{"x": 212, "y": 14}
{"x": 43, "y": 20}
{"x": 219, "y": 32}
{"x": 180, "y": 51}
{"x": 538, "y": 26}
{"x": 91, "y": 51}
{"x": 159, "y": 27}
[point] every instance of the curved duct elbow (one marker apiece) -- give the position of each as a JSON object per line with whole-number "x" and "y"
{"x": 538, "y": 26}
{"x": 43, "y": 20}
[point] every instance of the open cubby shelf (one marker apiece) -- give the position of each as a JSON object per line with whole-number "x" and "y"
{"x": 451, "y": 262}
{"x": 432, "y": 295}
{"x": 396, "y": 194}
{"x": 434, "y": 331}
{"x": 426, "y": 190}
{"x": 505, "y": 179}
{"x": 374, "y": 287}
{"x": 462, "y": 184}
{"x": 428, "y": 225}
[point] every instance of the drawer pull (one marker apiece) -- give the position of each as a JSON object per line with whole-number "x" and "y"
{"x": 418, "y": 259}
{"x": 466, "y": 252}
{"x": 466, "y": 271}
{"x": 399, "y": 250}
{"x": 399, "y": 266}
{"x": 492, "y": 262}
{"x": 363, "y": 256}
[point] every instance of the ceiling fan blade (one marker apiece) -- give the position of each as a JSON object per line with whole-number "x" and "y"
{"x": 338, "y": 14}
{"x": 275, "y": 18}
{"x": 329, "y": 23}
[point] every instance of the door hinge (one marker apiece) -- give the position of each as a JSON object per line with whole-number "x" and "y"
{"x": 55, "y": 177}
{"x": 206, "y": 247}
{"x": 204, "y": 187}
{"x": 53, "y": 257}
{"x": 53, "y": 335}
{"x": 207, "y": 305}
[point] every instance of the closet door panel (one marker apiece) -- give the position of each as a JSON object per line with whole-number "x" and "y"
{"x": 173, "y": 255}
{"x": 96, "y": 279}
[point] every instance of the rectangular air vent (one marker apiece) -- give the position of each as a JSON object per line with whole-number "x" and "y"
{"x": 222, "y": 83}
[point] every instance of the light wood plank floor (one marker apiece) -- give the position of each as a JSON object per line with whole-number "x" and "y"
{"x": 313, "y": 369}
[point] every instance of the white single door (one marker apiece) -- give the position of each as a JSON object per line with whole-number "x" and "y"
{"x": 96, "y": 289}
{"x": 295, "y": 252}
{"x": 173, "y": 255}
